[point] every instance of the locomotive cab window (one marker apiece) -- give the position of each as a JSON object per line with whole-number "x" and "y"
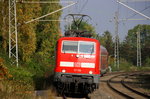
{"x": 86, "y": 47}
{"x": 78, "y": 47}
{"x": 70, "y": 47}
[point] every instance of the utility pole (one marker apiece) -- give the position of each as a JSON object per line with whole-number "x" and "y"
{"x": 116, "y": 53}
{"x": 139, "y": 47}
{"x": 13, "y": 42}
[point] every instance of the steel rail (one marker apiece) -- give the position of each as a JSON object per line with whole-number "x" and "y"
{"x": 117, "y": 91}
{"x": 126, "y": 86}
{"x": 133, "y": 90}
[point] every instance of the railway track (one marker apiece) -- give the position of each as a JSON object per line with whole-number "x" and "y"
{"x": 118, "y": 84}
{"x": 73, "y": 96}
{"x": 132, "y": 89}
{"x": 119, "y": 81}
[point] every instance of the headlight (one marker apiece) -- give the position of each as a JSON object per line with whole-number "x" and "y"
{"x": 90, "y": 72}
{"x": 63, "y": 71}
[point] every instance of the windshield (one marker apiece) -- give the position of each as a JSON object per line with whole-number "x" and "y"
{"x": 70, "y": 47}
{"x": 86, "y": 47}
{"x": 78, "y": 47}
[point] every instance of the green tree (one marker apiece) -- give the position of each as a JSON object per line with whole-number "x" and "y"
{"x": 48, "y": 32}
{"x": 129, "y": 46}
{"x": 27, "y": 32}
{"x": 1, "y": 24}
{"x": 106, "y": 41}
{"x": 4, "y": 24}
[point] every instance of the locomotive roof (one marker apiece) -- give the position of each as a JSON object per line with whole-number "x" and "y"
{"x": 78, "y": 38}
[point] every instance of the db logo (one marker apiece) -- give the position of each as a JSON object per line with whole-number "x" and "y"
{"x": 77, "y": 64}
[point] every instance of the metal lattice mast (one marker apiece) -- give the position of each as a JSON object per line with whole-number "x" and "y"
{"x": 139, "y": 63}
{"x": 13, "y": 43}
{"x": 138, "y": 48}
{"x": 116, "y": 53}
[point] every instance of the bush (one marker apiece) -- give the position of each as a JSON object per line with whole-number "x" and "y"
{"x": 147, "y": 62}
{"x": 21, "y": 74}
{"x": 123, "y": 65}
{"x": 26, "y": 75}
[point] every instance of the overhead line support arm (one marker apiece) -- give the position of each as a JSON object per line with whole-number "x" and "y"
{"x": 43, "y": 2}
{"x": 133, "y": 10}
{"x": 50, "y": 13}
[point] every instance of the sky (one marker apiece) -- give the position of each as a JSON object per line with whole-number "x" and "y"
{"x": 102, "y": 13}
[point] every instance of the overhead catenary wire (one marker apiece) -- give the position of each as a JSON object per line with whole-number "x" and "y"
{"x": 139, "y": 63}
{"x": 134, "y": 0}
{"x": 133, "y": 10}
{"x": 50, "y": 13}
{"x": 139, "y": 11}
{"x": 84, "y": 6}
{"x": 13, "y": 38}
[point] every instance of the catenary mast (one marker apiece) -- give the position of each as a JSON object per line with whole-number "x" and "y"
{"x": 13, "y": 38}
{"x": 13, "y": 42}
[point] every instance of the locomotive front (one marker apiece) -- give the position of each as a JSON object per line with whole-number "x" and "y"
{"x": 77, "y": 64}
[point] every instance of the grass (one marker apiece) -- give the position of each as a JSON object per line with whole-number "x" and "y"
{"x": 127, "y": 66}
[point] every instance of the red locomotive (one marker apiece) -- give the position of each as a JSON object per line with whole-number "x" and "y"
{"x": 78, "y": 63}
